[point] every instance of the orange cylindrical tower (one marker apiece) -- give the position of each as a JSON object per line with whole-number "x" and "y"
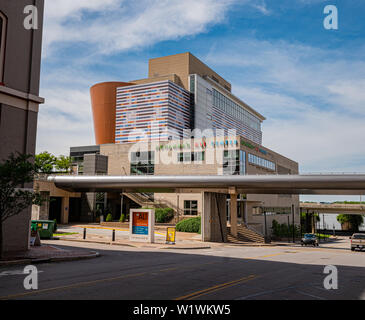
{"x": 103, "y": 102}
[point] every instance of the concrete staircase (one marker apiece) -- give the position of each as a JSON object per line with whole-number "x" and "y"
{"x": 244, "y": 235}
{"x": 144, "y": 200}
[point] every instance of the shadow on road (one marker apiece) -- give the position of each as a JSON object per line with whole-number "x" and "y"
{"x": 146, "y": 275}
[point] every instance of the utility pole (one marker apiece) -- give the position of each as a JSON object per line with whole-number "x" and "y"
{"x": 266, "y": 238}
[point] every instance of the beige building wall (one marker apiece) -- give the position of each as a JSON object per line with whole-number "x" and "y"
{"x": 172, "y": 77}
{"x": 47, "y": 190}
{"x": 183, "y": 65}
{"x": 167, "y": 164}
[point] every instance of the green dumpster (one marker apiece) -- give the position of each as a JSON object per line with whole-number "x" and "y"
{"x": 44, "y": 227}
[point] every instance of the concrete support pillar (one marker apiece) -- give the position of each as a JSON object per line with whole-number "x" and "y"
{"x": 65, "y": 211}
{"x": 233, "y": 210}
{"x": 44, "y": 208}
{"x": 214, "y": 225}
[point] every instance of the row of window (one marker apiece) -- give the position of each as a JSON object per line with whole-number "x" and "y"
{"x": 261, "y": 162}
{"x": 191, "y": 157}
{"x": 234, "y": 161}
{"x": 230, "y": 107}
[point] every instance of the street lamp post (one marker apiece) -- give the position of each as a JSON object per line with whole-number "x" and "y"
{"x": 292, "y": 211}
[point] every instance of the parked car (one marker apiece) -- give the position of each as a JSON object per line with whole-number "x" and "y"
{"x": 309, "y": 239}
{"x": 357, "y": 241}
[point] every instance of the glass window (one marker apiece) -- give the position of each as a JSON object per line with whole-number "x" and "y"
{"x": 192, "y": 84}
{"x": 230, "y": 107}
{"x": 261, "y": 162}
{"x": 234, "y": 162}
{"x": 189, "y": 157}
{"x": 242, "y": 163}
{"x": 143, "y": 163}
{"x": 191, "y": 207}
{"x": 100, "y": 203}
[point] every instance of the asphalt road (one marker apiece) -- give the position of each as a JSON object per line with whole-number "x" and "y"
{"x": 221, "y": 273}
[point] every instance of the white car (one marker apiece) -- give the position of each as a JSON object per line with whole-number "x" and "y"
{"x": 357, "y": 241}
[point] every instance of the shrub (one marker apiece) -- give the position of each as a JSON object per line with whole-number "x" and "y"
{"x": 109, "y": 218}
{"x": 283, "y": 230}
{"x": 163, "y": 215}
{"x": 122, "y": 218}
{"x": 192, "y": 225}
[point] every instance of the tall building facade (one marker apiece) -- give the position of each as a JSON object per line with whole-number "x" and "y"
{"x": 180, "y": 94}
{"x": 217, "y": 109}
{"x": 20, "y": 61}
{"x": 156, "y": 111}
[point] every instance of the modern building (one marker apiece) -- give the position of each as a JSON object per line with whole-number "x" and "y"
{"x": 202, "y": 157}
{"x": 181, "y": 93}
{"x": 182, "y": 120}
{"x": 20, "y": 61}
{"x": 156, "y": 111}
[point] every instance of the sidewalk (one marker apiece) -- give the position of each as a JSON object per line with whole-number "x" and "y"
{"x": 103, "y": 235}
{"x": 47, "y": 253}
{"x": 159, "y": 243}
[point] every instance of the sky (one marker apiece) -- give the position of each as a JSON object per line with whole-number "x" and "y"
{"x": 309, "y": 82}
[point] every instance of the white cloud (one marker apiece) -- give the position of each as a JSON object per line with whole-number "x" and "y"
{"x": 313, "y": 99}
{"x": 319, "y": 141}
{"x": 349, "y": 93}
{"x": 104, "y": 27}
{"x": 65, "y": 121}
{"x": 297, "y": 69}
{"x": 116, "y": 25}
{"x": 262, "y": 7}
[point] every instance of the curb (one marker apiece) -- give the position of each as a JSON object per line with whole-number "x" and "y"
{"x": 87, "y": 257}
{"x": 49, "y": 260}
{"x": 100, "y": 242}
{"x": 15, "y": 262}
{"x": 185, "y": 248}
{"x": 132, "y": 246}
{"x": 252, "y": 245}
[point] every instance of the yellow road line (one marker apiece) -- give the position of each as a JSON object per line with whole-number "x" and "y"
{"x": 216, "y": 288}
{"x": 170, "y": 269}
{"x": 80, "y": 284}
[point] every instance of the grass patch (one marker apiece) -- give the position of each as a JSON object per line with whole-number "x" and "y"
{"x": 64, "y": 234}
{"x": 323, "y": 235}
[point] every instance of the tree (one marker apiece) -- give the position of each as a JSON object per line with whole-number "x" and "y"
{"x": 63, "y": 164}
{"x": 15, "y": 173}
{"x": 354, "y": 221}
{"x": 307, "y": 220}
{"x": 45, "y": 162}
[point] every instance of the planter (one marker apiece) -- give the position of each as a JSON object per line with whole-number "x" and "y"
{"x": 123, "y": 225}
